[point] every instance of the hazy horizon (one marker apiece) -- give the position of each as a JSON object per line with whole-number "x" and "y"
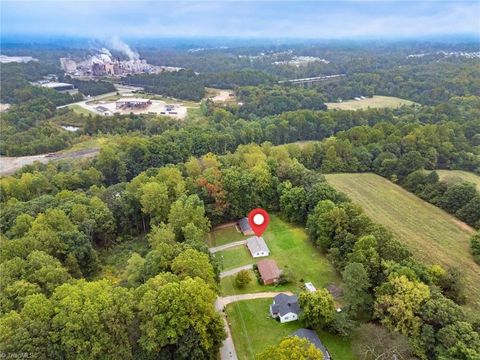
{"x": 227, "y": 19}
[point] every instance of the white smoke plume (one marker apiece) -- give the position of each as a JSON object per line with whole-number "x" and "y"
{"x": 119, "y": 45}
{"x": 106, "y": 52}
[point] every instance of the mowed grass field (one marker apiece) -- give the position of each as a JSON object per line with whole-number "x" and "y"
{"x": 224, "y": 235}
{"x": 253, "y": 330}
{"x": 376, "y": 101}
{"x": 292, "y": 250}
{"x": 433, "y": 235}
{"x": 454, "y": 176}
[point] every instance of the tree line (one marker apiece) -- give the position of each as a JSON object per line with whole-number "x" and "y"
{"x": 183, "y": 84}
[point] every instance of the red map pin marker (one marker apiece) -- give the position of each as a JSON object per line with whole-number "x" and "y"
{"x": 258, "y": 220}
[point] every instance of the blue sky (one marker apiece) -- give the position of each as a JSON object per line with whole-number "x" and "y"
{"x": 275, "y": 19}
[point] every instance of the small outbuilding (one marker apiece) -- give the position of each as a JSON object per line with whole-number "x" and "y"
{"x": 309, "y": 286}
{"x": 257, "y": 247}
{"x": 269, "y": 271}
{"x": 245, "y": 227}
{"x": 285, "y": 308}
{"x": 312, "y": 336}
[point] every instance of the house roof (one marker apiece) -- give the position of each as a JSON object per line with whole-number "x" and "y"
{"x": 244, "y": 225}
{"x": 268, "y": 269}
{"x": 284, "y": 304}
{"x": 133, "y": 100}
{"x": 101, "y": 108}
{"x": 312, "y": 336}
{"x": 256, "y": 244}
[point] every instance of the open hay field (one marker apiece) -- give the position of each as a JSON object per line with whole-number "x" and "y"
{"x": 376, "y": 101}
{"x": 453, "y": 176}
{"x": 433, "y": 235}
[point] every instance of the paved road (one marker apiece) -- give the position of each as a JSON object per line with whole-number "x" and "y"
{"x": 83, "y": 103}
{"x": 236, "y": 270}
{"x": 227, "y": 351}
{"x": 227, "y": 246}
{"x": 223, "y": 301}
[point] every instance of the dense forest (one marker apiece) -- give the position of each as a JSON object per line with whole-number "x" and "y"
{"x": 260, "y": 101}
{"x": 202, "y": 191}
{"x": 184, "y": 84}
{"x": 91, "y": 87}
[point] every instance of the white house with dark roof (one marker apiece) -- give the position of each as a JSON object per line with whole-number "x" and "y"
{"x": 312, "y": 336}
{"x": 257, "y": 247}
{"x": 285, "y": 308}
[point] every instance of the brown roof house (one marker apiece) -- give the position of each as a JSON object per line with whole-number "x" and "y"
{"x": 269, "y": 271}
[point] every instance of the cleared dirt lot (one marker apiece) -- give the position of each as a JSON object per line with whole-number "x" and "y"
{"x": 220, "y": 95}
{"x": 373, "y": 102}
{"x": 8, "y": 165}
{"x": 158, "y": 107}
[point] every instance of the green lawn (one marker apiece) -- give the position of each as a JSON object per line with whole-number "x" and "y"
{"x": 376, "y": 101}
{"x": 228, "y": 287}
{"x": 434, "y": 236}
{"x": 454, "y": 176}
{"x": 234, "y": 257}
{"x": 253, "y": 330}
{"x": 81, "y": 110}
{"x": 224, "y": 236}
{"x": 291, "y": 249}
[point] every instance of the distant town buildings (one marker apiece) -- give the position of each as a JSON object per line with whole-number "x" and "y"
{"x": 18, "y": 59}
{"x": 301, "y": 61}
{"x": 447, "y": 54}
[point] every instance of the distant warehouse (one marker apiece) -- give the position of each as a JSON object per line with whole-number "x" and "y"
{"x": 60, "y": 87}
{"x": 131, "y": 103}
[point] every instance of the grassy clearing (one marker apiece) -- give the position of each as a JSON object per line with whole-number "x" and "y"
{"x": 224, "y": 236}
{"x": 433, "y": 235}
{"x": 373, "y": 102}
{"x": 292, "y": 250}
{"x": 81, "y": 110}
{"x": 253, "y": 330}
{"x": 228, "y": 287}
{"x": 234, "y": 257}
{"x": 454, "y": 176}
{"x": 114, "y": 260}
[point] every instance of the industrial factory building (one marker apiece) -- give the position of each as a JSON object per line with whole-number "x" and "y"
{"x": 131, "y": 103}
{"x": 104, "y": 64}
{"x": 60, "y": 87}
